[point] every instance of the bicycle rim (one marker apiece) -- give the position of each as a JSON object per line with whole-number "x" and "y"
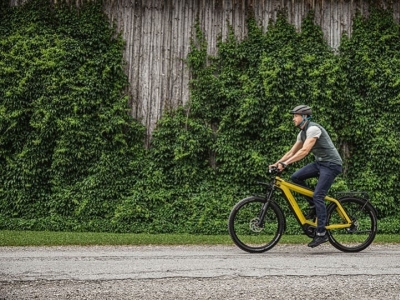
{"x": 244, "y": 226}
{"x": 364, "y": 225}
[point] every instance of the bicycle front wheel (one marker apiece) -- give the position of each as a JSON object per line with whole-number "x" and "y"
{"x": 363, "y": 230}
{"x": 250, "y": 233}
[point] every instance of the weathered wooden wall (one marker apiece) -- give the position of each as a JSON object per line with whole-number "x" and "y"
{"x": 158, "y": 32}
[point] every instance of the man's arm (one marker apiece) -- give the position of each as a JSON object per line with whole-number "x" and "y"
{"x": 295, "y": 148}
{"x": 300, "y": 153}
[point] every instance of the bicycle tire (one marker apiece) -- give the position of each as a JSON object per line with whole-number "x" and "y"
{"x": 245, "y": 232}
{"x": 363, "y": 230}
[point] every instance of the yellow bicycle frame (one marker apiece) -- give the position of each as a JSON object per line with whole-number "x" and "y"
{"x": 287, "y": 188}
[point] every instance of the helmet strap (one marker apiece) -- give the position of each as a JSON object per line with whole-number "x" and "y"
{"x": 305, "y": 119}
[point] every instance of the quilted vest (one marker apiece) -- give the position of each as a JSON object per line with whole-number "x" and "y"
{"x": 323, "y": 150}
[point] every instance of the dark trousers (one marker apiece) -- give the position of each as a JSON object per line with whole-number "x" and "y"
{"x": 326, "y": 173}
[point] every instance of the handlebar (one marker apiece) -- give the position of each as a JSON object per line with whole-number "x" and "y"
{"x": 275, "y": 171}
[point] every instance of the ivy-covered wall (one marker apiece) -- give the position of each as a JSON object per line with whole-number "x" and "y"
{"x": 68, "y": 149}
{"x": 71, "y": 158}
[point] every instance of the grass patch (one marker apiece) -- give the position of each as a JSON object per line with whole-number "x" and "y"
{"x": 49, "y": 238}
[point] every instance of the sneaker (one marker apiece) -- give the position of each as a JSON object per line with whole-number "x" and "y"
{"x": 312, "y": 213}
{"x": 318, "y": 240}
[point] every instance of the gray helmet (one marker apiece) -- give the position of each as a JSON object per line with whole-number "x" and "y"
{"x": 302, "y": 110}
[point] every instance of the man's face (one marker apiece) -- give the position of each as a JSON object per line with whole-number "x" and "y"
{"x": 297, "y": 119}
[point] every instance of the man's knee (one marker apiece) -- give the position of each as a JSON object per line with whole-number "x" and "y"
{"x": 295, "y": 179}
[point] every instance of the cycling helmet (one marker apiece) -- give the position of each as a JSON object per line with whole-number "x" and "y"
{"x": 302, "y": 110}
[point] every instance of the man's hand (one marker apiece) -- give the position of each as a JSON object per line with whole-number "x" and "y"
{"x": 278, "y": 165}
{"x": 275, "y": 165}
{"x": 281, "y": 166}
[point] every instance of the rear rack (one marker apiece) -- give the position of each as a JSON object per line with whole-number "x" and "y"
{"x": 359, "y": 194}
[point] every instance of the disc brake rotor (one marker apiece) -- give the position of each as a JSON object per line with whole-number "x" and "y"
{"x": 254, "y": 225}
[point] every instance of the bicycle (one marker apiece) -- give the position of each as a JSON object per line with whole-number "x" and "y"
{"x": 257, "y": 223}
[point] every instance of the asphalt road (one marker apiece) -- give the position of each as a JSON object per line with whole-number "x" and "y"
{"x": 68, "y": 272}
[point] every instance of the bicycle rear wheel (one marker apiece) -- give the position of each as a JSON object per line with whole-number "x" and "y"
{"x": 363, "y": 229}
{"x": 244, "y": 228}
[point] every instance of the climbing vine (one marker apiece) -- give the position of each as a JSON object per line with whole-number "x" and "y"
{"x": 68, "y": 149}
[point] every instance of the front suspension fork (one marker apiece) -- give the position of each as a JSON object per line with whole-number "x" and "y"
{"x": 264, "y": 208}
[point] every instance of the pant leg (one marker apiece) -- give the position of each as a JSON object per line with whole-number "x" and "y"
{"x": 327, "y": 174}
{"x": 309, "y": 171}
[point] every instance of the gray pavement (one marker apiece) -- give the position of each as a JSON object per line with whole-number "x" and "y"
{"x": 146, "y": 271}
{"x": 149, "y": 262}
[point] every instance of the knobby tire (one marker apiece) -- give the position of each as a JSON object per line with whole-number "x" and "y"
{"x": 244, "y": 227}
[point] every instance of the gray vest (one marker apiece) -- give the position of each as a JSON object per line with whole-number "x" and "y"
{"x": 323, "y": 150}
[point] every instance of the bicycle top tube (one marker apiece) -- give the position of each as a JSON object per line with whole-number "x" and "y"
{"x": 292, "y": 187}
{"x": 288, "y": 187}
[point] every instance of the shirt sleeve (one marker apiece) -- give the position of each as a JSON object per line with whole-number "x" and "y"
{"x": 299, "y": 137}
{"x": 314, "y": 131}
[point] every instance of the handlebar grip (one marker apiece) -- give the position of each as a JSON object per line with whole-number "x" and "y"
{"x": 273, "y": 170}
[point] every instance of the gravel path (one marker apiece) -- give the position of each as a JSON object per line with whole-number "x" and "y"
{"x": 270, "y": 287}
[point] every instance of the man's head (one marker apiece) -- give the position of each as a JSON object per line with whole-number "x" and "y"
{"x": 301, "y": 114}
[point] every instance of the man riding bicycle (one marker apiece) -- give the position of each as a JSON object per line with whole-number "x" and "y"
{"x": 327, "y": 165}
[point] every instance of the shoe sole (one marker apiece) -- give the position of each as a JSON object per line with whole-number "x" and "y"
{"x": 313, "y": 246}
